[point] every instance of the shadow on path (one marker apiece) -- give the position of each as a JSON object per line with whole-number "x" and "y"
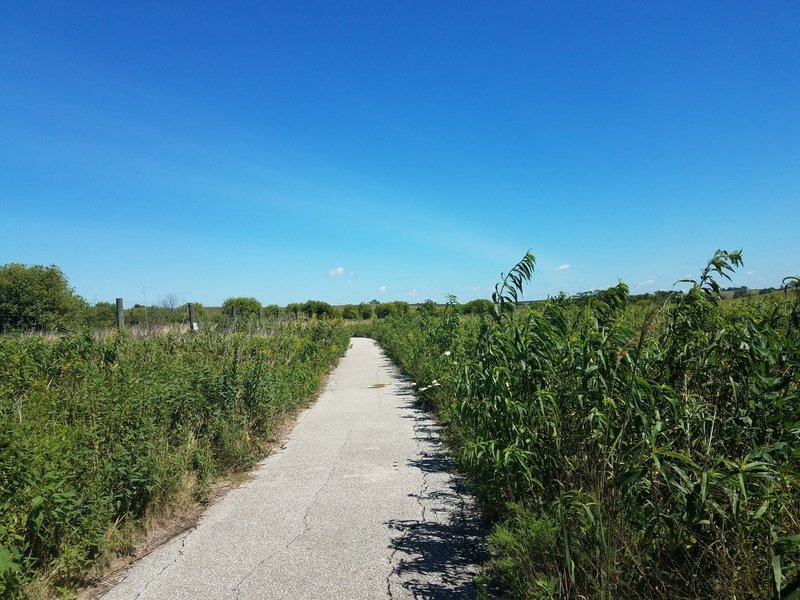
{"x": 438, "y": 555}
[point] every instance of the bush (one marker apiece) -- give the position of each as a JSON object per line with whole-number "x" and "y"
{"x": 318, "y": 309}
{"x": 646, "y": 450}
{"x": 365, "y": 311}
{"x": 37, "y": 297}
{"x": 396, "y": 308}
{"x": 241, "y": 308}
{"x": 480, "y": 306}
{"x": 97, "y": 433}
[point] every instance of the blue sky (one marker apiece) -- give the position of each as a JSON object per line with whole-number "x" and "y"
{"x": 403, "y": 150}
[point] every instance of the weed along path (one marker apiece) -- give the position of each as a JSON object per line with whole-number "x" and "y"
{"x": 359, "y": 503}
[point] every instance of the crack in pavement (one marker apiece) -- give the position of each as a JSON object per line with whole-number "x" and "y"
{"x": 360, "y": 505}
{"x": 334, "y": 466}
{"x": 168, "y": 565}
{"x": 247, "y": 576}
{"x": 424, "y": 485}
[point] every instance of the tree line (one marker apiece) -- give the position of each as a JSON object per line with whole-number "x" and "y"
{"x": 40, "y": 298}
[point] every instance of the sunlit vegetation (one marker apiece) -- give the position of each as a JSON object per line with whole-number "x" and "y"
{"x": 623, "y": 449}
{"x": 99, "y": 433}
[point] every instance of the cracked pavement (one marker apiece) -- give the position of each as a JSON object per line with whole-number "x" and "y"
{"x": 359, "y": 503}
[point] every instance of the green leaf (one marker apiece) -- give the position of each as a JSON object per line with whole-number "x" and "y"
{"x": 6, "y": 563}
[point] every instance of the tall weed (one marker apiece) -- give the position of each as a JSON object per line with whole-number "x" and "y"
{"x": 652, "y": 448}
{"x": 95, "y": 434}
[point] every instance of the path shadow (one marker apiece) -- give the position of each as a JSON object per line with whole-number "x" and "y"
{"x": 438, "y": 555}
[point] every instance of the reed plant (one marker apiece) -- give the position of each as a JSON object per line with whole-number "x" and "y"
{"x": 624, "y": 450}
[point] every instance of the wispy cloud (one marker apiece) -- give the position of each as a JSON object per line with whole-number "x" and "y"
{"x": 337, "y": 272}
{"x": 413, "y": 293}
{"x": 750, "y": 273}
{"x": 382, "y": 289}
{"x": 563, "y": 267}
{"x": 647, "y": 282}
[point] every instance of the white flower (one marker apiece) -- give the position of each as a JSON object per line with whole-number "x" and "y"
{"x": 447, "y": 353}
{"x": 433, "y": 384}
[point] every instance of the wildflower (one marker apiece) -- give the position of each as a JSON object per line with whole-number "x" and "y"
{"x": 433, "y": 384}
{"x": 447, "y": 353}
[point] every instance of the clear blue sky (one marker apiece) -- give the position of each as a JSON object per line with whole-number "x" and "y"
{"x": 397, "y": 150}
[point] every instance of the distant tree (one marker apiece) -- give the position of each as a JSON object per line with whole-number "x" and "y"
{"x": 102, "y": 314}
{"x": 428, "y": 307}
{"x": 741, "y": 293}
{"x": 38, "y": 297}
{"x": 481, "y": 306}
{"x": 395, "y": 308}
{"x": 319, "y": 309}
{"x": 365, "y": 311}
{"x": 244, "y": 307}
{"x": 374, "y": 301}
{"x": 294, "y": 309}
{"x": 350, "y": 312}
{"x": 169, "y": 301}
{"x": 271, "y": 310}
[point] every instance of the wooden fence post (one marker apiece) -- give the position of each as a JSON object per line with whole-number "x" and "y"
{"x": 120, "y": 314}
{"x": 192, "y": 322}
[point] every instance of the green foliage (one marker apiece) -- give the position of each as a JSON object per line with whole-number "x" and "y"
{"x": 97, "y": 433}
{"x": 312, "y": 309}
{"x": 396, "y": 308}
{"x": 429, "y": 307}
{"x": 271, "y": 311}
{"x": 523, "y": 546}
{"x": 365, "y": 311}
{"x": 624, "y": 450}
{"x": 350, "y": 312}
{"x": 318, "y": 309}
{"x": 102, "y": 314}
{"x": 481, "y": 306}
{"x": 37, "y": 297}
{"x": 241, "y": 308}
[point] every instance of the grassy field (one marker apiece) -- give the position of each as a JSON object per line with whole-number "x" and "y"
{"x": 100, "y": 434}
{"x": 623, "y": 449}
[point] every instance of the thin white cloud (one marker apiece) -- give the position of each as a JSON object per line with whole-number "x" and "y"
{"x": 750, "y": 273}
{"x": 337, "y": 272}
{"x": 349, "y": 281}
{"x": 382, "y": 289}
{"x": 563, "y": 267}
{"x": 413, "y": 293}
{"x": 477, "y": 288}
{"x": 647, "y": 282}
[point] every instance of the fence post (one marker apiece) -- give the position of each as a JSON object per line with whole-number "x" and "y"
{"x": 192, "y": 322}
{"x": 120, "y": 314}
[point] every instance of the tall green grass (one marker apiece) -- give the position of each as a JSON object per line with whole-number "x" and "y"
{"x": 647, "y": 450}
{"x": 97, "y": 434}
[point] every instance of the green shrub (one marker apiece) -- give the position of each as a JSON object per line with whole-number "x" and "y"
{"x": 97, "y": 433}
{"x": 37, "y": 297}
{"x": 651, "y": 448}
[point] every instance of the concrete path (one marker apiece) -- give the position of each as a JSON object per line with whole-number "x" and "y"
{"x": 359, "y": 503}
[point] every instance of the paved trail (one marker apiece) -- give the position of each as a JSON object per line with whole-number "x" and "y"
{"x": 359, "y": 503}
